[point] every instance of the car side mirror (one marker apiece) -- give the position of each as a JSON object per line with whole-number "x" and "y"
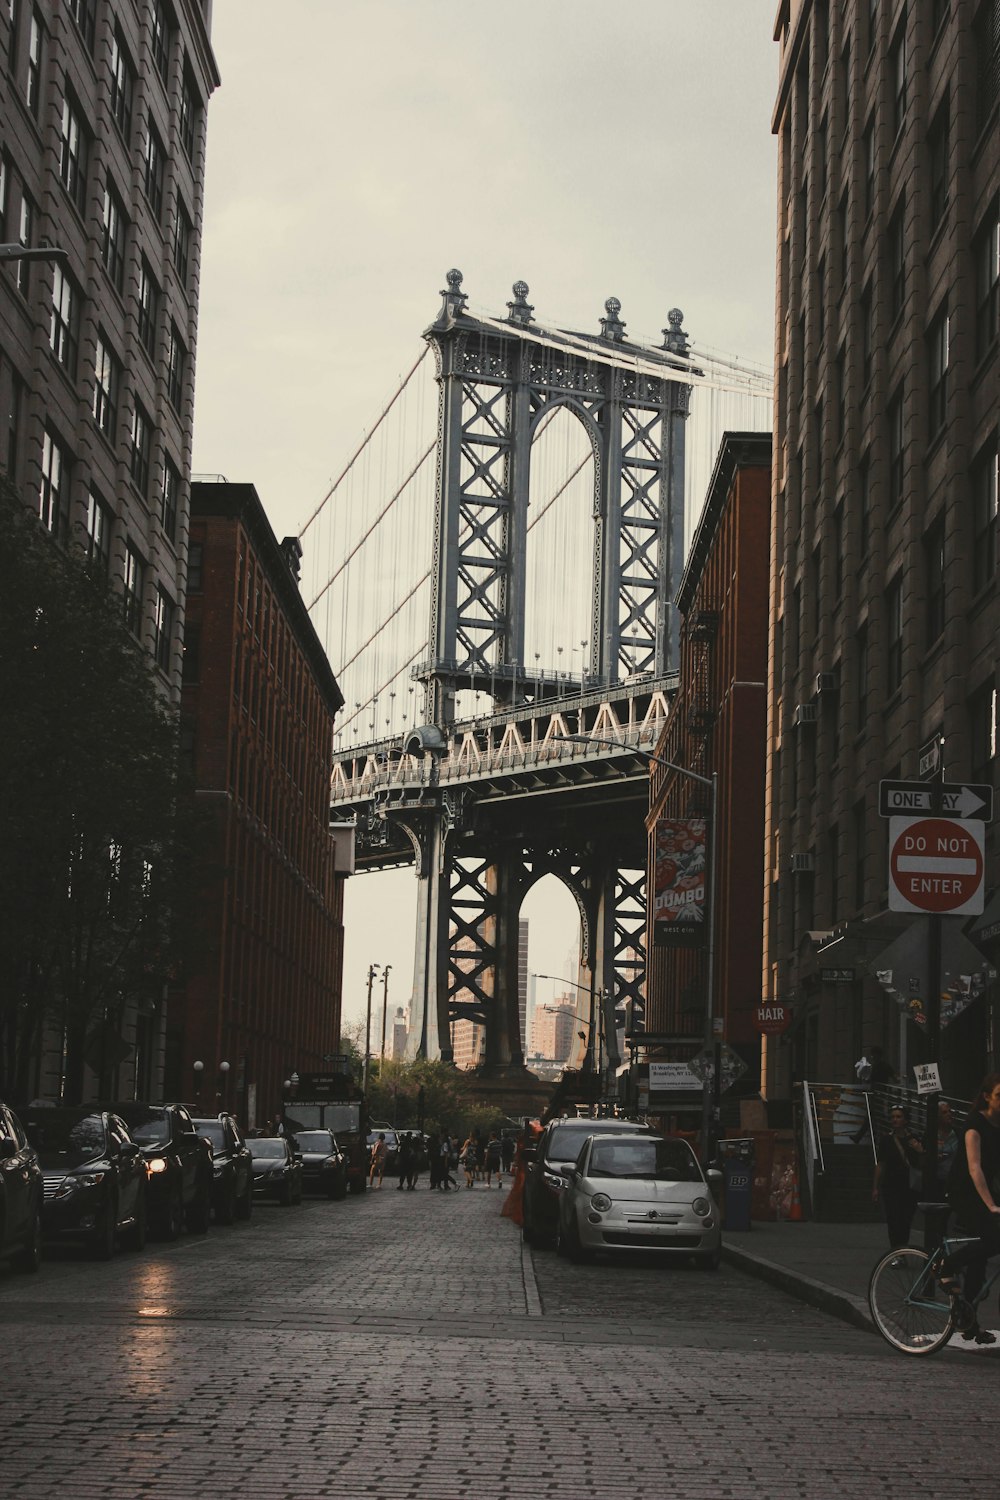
{"x": 713, "y": 1177}
{"x": 8, "y": 1148}
{"x": 567, "y": 1169}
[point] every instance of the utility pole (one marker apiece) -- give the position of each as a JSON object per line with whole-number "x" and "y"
{"x": 385, "y": 1005}
{"x": 372, "y": 971}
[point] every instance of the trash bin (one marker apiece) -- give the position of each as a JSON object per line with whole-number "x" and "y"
{"x": 737, "y": 1158}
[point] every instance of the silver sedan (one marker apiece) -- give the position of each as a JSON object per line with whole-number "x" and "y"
{"x": 639, "y": 1192}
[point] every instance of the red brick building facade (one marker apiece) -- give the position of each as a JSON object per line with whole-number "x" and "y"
{"x": 716, "y": 724}
{"x": 257, "y": 712}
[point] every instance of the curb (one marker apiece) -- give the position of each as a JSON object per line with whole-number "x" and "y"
{"x": 828, "y": 1299}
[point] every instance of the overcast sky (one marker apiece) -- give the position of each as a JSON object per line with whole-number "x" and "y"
{"x": 357, "y": 149}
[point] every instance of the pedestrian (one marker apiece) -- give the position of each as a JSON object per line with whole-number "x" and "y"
{"x": 480, "y": 1142}
{"x": 493, "y": 1160}
{"x": 404, "y": 1152}
{"x": 377, "y": 1168}
{"x": 446, "y": 1181}
{"x": 513, "y": 1204}
{"x": 947, "y": 1146}
{"x": 974, "y": 1171}
{"x": 469, "y": 1157}
{"x": 873, "y": 1070}
{"x": 897, "y": 1169}
{"x": 416, "y": 1154}
{"x": 434, "y": 1159}
{"x": 507, "y": 1149}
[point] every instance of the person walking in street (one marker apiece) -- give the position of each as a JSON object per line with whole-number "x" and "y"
{"x": 480, "y": 1141}
{"x": 899, "y": 1155}
{"x": 470, "y": 1160}
{"x": 493, "y": 1160}
{"x": 507, "y": 1148}
{"x": 404, "y": 1153}
{"x": 377, "y": 1168}
{"x": 434, "y": 1160}
{"x": 446, "y": 1180}
{"x": 416, "y": 1157}
{"x": 975, "y": 1168}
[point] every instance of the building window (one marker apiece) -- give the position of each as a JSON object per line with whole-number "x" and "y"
{"x": 163, "y": 31}
{"x": 867, "y": 336}
{"x": 897, "y": 77}
{"x": 12, "y": 35}
{"x": 33, "y": 84}
{"x": 196, "y": 553}
{"x": 986, "y": 32}
{"x": 83, "y": 13}
{"x": 64, "y": 325}
{"x": 843, "y": 234}
{"x": 937, "y": 361}
{"x": 107, "y": 384}
{"x": 868, "y": 148}
{"x": 894, "y": 637}
{"x": 871, "y": 23}
{"x": 54, "y": 484}
{"x": 934, "y": 581}
{"x": 861, "y": 676}
{"x": 939, "y": 150}
{"x": 170, "y": 489}
{"x": 73, "y": 152}
{"x": 25, "y": 235}
{"x": 985, "y": 473}
{"x": 163, "y": 629}
{"x": 135, "y": 572}
{"x": 821, "y": 299}
{"x": 986, "y": 251}
{"x": 939, "y": 9}
{"x": 190, "y": 113}
{"x": 122, "y": 85}
{"x": 840, "y": 394}
{"x": 140, "y": 447}
{"x": 176, "y": 367}
{"x": 983, "y": 732}
{"x": 822, "y": 168}
{"x": 896, "y": 258}
{"x": 98, "y": 532}
{"x": 113, "y": 237}
{"x": 154, "y": 170}
{"x": 845, "y": 84}
{"x": 897, "y": 449}
{"x": 182, "y": 241}
{"x": 149, "y": 308}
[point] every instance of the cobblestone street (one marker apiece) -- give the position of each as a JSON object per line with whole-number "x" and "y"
{"x": 400, "y": 1345}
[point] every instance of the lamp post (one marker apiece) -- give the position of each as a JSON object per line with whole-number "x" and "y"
{"x": 385, "y": 1004}
{"x": 710, "y": 1087}
{"x": 224, "y": 1083}
{"x": 372, "y": 971}
{"x": 197, "y": 1069}
{"x": 32, "y": 252}
{"x": 589, "y": 991}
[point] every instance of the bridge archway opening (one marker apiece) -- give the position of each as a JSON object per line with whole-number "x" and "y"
{"x": 555, "y": 940}
{"x": 560, "y": 547}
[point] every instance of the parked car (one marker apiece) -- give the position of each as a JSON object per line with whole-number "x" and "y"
{"x": 94, "y": 1177}
{"x": 558, "y": 1146}
{"x": 232, "y": 1168}
{"x": 179, "y": 1163}
{"x": 638, "y": 1193}
{"x": 277, "y": 1169}
{"x": 21, "y": 1194}
{"x": 324, "y": 1165}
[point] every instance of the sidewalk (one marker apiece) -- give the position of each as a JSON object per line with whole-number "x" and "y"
{"x": 827, "y": 1265}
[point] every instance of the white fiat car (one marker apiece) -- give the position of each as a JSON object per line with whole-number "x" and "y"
{"x": 639, "y": 1192}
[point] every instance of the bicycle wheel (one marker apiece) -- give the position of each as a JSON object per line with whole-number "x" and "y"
{"x": 911, "y": 1313}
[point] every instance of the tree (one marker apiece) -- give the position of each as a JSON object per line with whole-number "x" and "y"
{"x": 94, "y": 834}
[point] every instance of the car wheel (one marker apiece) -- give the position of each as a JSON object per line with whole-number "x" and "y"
{"x": 103, "y": 1242}
{"x": 135, "y": 1237}
{"x": 29, "y": 1258}
{"x": 200, "y": 1211}
{"x": 226, "y": 1211}
{"x": 562, "y": 1249}
{"x": 574, "y": 1249}
{"x": 244, "y": 1205}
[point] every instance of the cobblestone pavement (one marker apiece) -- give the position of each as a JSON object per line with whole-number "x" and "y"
{"x": 401, "y": 1347}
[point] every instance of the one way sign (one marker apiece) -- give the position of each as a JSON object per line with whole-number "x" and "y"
{"x": 956, "y": 799}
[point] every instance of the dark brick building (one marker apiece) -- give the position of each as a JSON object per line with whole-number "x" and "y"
{"x": 257, "y": 711}
{"x": 717, "y": 724}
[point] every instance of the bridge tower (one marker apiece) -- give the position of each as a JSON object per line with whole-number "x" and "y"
{"x": 498, "y": 379}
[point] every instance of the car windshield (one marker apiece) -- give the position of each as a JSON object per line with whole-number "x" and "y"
{"x": 150, "y": 1127}
{"x": 215, "y": 1131}
{"x": 566, "y": 1141}
{"x": 314, "y": 1140}
{"x": 267, "y": 1148}
{"x": 71, "y": 1137}
{"x": 665, "y": 1161}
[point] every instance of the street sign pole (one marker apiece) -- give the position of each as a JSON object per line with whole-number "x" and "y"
{"x": 932, "y": 1227}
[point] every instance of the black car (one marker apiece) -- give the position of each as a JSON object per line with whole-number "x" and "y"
{"x": 324, "y": 1165}
{"x": 94, "y": 1177}
{"x": 179, "y": 1163}
{"x": 232, "y": 1168}
{"x": 277, "y": 1169}
{"x": 559, "y": 1144}
{"x": 21, "y": 1193}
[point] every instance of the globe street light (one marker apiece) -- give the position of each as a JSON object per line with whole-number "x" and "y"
{"x": 197, "y": 1068}
{"x": 710, "y": 1085}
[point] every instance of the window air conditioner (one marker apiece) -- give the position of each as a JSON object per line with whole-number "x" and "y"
{"x": 803, "y": 864}
{"x": 826, "y": 682}
{"x": 805, "y": 714}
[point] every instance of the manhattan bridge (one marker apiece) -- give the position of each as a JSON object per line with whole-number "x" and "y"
{"x": 492, "y": 574}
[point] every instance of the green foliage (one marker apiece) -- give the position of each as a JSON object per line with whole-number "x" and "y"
{"x": 93, "y": 851}
{"x": 394, "y": 1096}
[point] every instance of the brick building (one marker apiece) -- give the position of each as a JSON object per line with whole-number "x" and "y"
{"x": 885, "y": 611}
{"x": 257, "y": 712}
{"x": 555, "y": 1030}
{"x": 716, "y": 724}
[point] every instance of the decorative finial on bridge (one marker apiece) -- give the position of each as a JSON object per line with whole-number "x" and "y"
{"x": 520, "y": 310}
{"x": 674, "y": 337}
{"x": 612, "y": 326}
{"x": 454, "y": 298}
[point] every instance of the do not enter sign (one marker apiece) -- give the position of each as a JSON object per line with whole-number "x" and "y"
{"x": 936, "y": 865}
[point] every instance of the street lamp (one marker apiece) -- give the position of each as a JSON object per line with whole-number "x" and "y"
{"x": 372, "y": 971}
{"x": 588, "y": 990}
{"x": 197, "y": 1068}
{"x": 223, "y": 1082}
{"x": 35, "y": 252}
{"x": 385, "y": 1006}
{"x": 710, "y": 1086}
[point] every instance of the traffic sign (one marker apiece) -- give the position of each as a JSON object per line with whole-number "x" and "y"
{"x": 936, "y": 865}
{"x": 956, "y": 799}
{"x": 731, "y": 1066}
{"x": 772, "y": 1018}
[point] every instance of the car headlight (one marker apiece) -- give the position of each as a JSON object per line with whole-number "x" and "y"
{"x": 88, "y": 1179}
{"x": 217, "y": 1171}
{"x": 553, "y": 1181}
{"x": 331, "y": 1161}
{"x": 601, "y": 1202}
{"x": 158, "y": 1164}
{"x": 701, "y": 1207}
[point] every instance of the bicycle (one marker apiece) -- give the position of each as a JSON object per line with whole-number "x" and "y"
{"x": 908, "y": 1307}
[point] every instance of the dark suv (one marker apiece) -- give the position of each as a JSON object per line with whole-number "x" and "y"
{"x": 324, "y": 1165}
{"x": 179, "y": 1163}
{"x": 94, "y": 1176}
{"x": 232, "y": 1168}
{"x": 560, "y": 1144}
{"x": 20, "y": 1196}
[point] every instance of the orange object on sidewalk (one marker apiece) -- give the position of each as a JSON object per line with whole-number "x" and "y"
{"x": 795, "y": 1212}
